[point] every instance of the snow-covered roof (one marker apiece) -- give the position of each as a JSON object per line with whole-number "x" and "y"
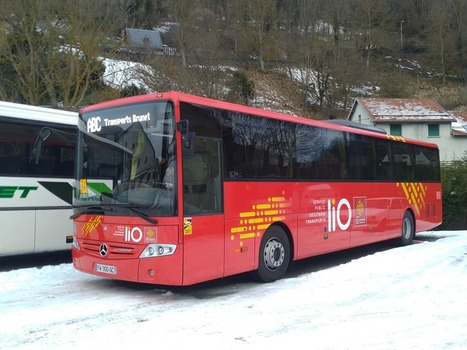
{"x": 405, "y": 110}
{"x": 143, "y": 39}
{"x": 459, "y": 127}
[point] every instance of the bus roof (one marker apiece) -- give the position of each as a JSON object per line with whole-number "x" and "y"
{"x": 204, "y": 101}
{"x": 43, "y": 114}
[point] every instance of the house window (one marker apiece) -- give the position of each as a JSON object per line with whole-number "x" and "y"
{"x": 396, "y": 129}
{"x": 433, "y": 130}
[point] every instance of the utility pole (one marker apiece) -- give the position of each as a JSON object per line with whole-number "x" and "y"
{"x": 402, "y": 38}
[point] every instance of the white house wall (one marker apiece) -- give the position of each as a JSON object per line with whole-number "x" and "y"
{"x": 361, "y": 116}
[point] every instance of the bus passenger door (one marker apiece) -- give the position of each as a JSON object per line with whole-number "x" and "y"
{"x": 203, "y": 213}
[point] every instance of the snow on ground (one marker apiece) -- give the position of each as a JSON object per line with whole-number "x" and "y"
{"x": 412, "y": 297}
{"x": 121, "y": 74}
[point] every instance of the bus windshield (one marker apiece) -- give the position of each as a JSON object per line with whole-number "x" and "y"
{"x": 126, "y": 159}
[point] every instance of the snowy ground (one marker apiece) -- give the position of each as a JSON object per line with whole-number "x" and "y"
{"x": 380, "y": 298}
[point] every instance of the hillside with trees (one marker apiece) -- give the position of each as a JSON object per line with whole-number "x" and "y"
{"x": 308, "y": 57}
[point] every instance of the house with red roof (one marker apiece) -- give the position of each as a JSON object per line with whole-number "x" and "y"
{"x": 420, "y": 119}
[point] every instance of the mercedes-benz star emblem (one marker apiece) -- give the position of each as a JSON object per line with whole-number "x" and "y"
{"x": 103, "y": 249}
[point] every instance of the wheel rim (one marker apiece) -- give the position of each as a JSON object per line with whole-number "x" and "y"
{"x": 274, "y": 254}
{"x": 407, "y": 228}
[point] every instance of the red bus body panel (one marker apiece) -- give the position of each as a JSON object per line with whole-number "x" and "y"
{"x": 372, "y": 211}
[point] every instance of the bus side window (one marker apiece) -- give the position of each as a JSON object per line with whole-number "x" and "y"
{"x": 9, "y": 158}
{"x": 403, "y": 161}
{"x": 426, "y": 160}
{"x": 46, "y": 163}
{"x": 383, "y": 161}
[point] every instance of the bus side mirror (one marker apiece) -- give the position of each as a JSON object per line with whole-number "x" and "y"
{"x": 188, "y": 139}
{"x": 183, "y": 126}
{"x": 41, "y": 137}
{"x": 189, "y": 145}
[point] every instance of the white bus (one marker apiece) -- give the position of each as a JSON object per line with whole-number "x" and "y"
{"x": 37, "y": 150}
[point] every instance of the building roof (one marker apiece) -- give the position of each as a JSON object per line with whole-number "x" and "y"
{"x": 143, "y": 39}
{"x": 404, "y": 110}
{"x": 459, "y": 127}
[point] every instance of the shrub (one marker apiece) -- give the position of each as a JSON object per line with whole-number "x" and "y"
{"x": 454, "y": 179}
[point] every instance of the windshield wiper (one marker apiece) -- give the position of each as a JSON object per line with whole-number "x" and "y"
{"x": 143, "y": 216}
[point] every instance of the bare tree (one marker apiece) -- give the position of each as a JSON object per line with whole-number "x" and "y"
{"x": 145, "y": 13}
{"x": 52, "y": 48}
{"x": 438, "y": 40}
{"x": 373, "y": 23}
{"x": 459, "y": 20}
{"x": 181, "y": 11}
{"x": 307, "y": 51}
{"x": 258, "y": 21}
{"x": 205, "y": 48}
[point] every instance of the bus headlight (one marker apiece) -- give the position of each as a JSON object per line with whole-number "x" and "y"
{"x": 75, "y": 243}
{"x": 154, "y": 250}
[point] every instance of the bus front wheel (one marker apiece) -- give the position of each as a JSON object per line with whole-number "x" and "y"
{"x": 274, "y": 255}
{"x": 408, "y": 229}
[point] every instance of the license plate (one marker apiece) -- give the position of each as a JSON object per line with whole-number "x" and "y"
{"x": 112, "y": 270}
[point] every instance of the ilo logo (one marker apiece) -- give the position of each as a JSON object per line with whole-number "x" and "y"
{"x": 134, "y": 234}
{"x": 336, "y": 212}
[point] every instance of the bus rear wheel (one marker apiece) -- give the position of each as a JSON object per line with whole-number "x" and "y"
{"x": 274, "y": 255}
{"x": 408, "y": 229}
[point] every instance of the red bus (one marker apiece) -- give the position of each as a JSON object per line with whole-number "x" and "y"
{"x": 193, "y": 189}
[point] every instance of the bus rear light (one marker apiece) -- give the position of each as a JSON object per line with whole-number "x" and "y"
{"x": 154, "y": 250}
